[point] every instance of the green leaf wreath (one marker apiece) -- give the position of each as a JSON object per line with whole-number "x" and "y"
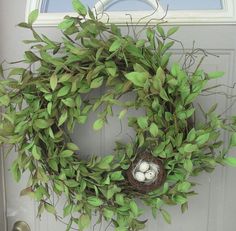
{"x": 47, "y": 96}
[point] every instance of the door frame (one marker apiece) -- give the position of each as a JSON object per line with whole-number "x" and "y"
{"x": 227, "y": 15}
{"x": 3, "y": 217}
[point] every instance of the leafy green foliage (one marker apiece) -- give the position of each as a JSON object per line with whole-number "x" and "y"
{"x": 79, "y": 7}
{"x": 137, "y": 78}
{"x": 231, "y": 161}
{"x": 42, "y": 107}
{"x": 33, "y": 17}
{"x": 84, "y": 222}
{"x": 166, "y": 216}
{"x": 233, "y": 140}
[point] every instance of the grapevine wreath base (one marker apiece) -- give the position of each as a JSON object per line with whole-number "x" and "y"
{"x": 46, "y": 97}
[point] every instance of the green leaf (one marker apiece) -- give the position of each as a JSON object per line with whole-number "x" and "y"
{"x": 151, "y": 37}
{"x": 190, "y": 148}
{"x": 202, "y": 139}
{"x": 72, "y": 183}
{"x": 122, "y": 114}
{"x": 79, "y": 7}
{"x": 166, "y": 216}
{"x": 49, "y": 108}
{"x": 62, "y": 118}
{"x": 84, "y": 222}
{"x": 33, "y": 16}
{"x": 120, "y": 228}
{"x": 139, "y": 68}
{"x": 191, "y": 135}
{"x": 215, "y": 74}
{"x": 15, "y": 170}
{"x": 180, "y": 199}
{"x": 53, "y": 164}
{"x": 175, "y": 69}
{"x": 163, "y": 94}
{"x": 233, "y": 140}
{"x": 107, "y": 213}
{"x": 41, "y": 123}
{"x": 31, "y": 57}
{"x": 115, "y": 45}
{"x": 159, "y": 148}
{"x": 72, "y": 146}
{"x": 117, "y": 176}
{"x": 17, "y": 71}
{"x": 5, "y": 100}
{"x": 97, "y": 82}
{"x": 66, "y": 153}
{"x": 161, "y": 31}
{"x": 134, "y": 208}
{"x": 82, "y": 119}
{"x": 98, "y": 124}
{"x": 105, "y": 162}
{"x": 153, "y": 129}
{"x": 67, "y": 210}
{"x": 165, "y": 59}
{"x": 231, "y": 161}
{"x": 184, "y": 207}
{"x": 53, "y": 82}
{"x": 69, "y": 102}
{"x": 63, "y": 91}
{"x": 137, "y": 78}
{"x": 50, "y": 208}
{"x": 36, "y": 152}
{"x": 66, "y": 23}
{"x": 188, "y": 165}
{"x": 24, "y": 25}
{"x": 184, "y": 186}
{"x": 172, "y": 30}
{"x": 119, "y": 198}
{"x": 143, "y": 122}
{"x": 1, "y": 70}
{"x": 167, "y": 46}
{"x": 112, "y": 191}
{"x": 94, "y": 201}
{"x": 134, "y": 51}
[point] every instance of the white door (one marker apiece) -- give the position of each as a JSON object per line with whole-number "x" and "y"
{"x": 212, "y": 27}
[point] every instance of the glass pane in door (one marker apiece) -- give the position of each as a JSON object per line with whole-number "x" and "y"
{"x": 129, "y": 5}
{"x": 59, "y": 6}
{"x": 192, "y": 4}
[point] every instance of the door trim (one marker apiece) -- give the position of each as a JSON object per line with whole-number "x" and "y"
{"x": 3, "y": 217}
{"x": 227, "y": 15}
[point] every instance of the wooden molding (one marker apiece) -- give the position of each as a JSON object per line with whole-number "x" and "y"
{"x": 3, "y": 222}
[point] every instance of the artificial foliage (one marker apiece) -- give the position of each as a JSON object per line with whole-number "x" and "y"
{"x": 49, "y": 94}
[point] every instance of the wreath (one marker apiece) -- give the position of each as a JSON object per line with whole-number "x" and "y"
{"x": 52, "y": 92}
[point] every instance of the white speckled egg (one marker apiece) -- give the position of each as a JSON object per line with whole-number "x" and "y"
{"x": 139, "y": 176}
{"x": 154, "y": 167}
{"x": 144, "y": 166}
{"x": 150, "y": 175}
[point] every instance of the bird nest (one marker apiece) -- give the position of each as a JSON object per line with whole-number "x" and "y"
{"x": 147, "y": 185}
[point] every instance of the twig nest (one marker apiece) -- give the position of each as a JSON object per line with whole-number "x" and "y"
{"x": 146, "y": 173}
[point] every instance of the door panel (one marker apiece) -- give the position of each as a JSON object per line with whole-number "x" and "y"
{"x": 214, "y": 209}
